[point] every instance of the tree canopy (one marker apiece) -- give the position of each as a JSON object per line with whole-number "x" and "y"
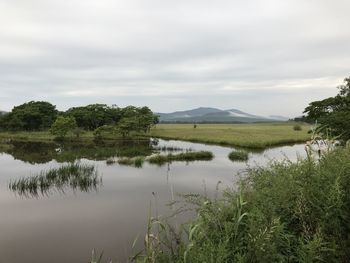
{"x": 40, "y": 115}
{"x": 333, "y": 112}
{"x": 93, "y": 116}
{"x": 30, "y": 116}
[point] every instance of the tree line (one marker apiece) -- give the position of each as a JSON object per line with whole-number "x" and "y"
{"x": 42, "y": 115}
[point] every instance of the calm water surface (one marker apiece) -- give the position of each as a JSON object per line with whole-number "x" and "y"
{"x": 65, "y": 227}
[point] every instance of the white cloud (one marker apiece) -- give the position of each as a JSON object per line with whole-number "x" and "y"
{"x": 172, "y": 55}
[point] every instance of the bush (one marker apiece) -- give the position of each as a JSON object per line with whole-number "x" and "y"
{"x": 62, "y": 126}
{"x": 297, "y": 127}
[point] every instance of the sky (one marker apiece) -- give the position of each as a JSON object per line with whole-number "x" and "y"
{"x": 261, "y": 56}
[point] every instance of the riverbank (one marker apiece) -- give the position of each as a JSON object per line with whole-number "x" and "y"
{"x": 287, "y": 212}
{"x": 260, "y": 135}
{"x": 46, "y": 136}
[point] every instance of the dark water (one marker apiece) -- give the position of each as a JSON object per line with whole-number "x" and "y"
{"x": 65, "y": 227}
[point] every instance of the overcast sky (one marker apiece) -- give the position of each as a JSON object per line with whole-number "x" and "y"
{"x": 260, "y": 56}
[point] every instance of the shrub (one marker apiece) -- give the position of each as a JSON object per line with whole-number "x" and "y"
{"x": 62, "y": 126}
{"x": 297, "y": 127}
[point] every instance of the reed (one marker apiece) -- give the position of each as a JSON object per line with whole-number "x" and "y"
{"x": 238, "y": 155}
{"x": 136, "y": 162}
{"x": 184, "y": 156}
{"x": 75, "y": 176}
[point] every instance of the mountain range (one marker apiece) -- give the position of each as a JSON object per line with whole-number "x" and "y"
{"x": 208, "y": 115}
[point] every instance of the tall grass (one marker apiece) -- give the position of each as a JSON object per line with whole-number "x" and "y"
{"x": 136, "y": 162}
{"x": 238, "y": 155}
{"x": 185, "y": 156}
{"x": 76, "y": 176}
{"x": 288, "y": 212}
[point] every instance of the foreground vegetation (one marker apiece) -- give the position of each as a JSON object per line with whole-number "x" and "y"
{"x": 288, "y": 212}
{"x": 243, "y": 135}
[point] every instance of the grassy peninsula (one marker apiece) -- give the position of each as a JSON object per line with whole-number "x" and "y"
{"x": 260, "y": 135}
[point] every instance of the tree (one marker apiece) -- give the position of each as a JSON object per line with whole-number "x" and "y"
{"x": 334, "y": 112}
{"x": 93, "y": 116}
{"x": 31, "y": 116}
{"x": 127, "y": 125}
{"x": 62, "y": 126}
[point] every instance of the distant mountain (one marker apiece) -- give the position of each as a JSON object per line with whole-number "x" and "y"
{"x": 279, "y": 117}
{"x": 202, "y": 115}
{"x": 186, "y": 114}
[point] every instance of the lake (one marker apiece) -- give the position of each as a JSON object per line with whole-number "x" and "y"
{"x": 64, "y": 226}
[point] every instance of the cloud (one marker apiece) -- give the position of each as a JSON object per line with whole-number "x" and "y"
{"x": 172, "y": 55}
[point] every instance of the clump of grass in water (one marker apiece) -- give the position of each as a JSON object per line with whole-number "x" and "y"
{"x": 238, "y": 155}
{"x": 110, "y": 161}
{"x": 137, "y": 162}
{"x": 185, "y": 156}
{"x": 170, "y": 149}
{"x": 76, "y": 176}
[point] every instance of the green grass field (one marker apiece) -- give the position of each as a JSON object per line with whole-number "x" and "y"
{"x": 242, "y": 135}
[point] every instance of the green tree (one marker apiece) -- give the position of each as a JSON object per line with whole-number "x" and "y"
{"x": 127, "y": 125}
{"x": 334, "y": 112}
{"x": 93, "y": 116}
{"x": 62, "y": 126}
{"x": 31, "y": 116}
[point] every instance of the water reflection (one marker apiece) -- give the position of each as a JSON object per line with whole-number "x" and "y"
{"x": 44, "y": 152}
{"x": 110, "y": 218}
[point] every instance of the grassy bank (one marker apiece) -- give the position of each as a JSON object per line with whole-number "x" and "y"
{"x": 288, "y": 212}
{"x": 243, "y": 135}
{"x": 46, "y": 136}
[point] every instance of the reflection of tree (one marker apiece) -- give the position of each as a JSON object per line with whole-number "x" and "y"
{"x": 43, "y": 152}
{"x": 32, "y": 152}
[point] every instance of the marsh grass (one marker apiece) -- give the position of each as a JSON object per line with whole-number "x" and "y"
{"x": 136, "y": 161}
{"x": 75, "y": 176}
{"x": 135, "y": 151}
{"x": 287, "y": 212}
{"x": 170, "y": 149}
{"x": 238, "y": 155}
{"x": 184, "y": 156}
{"x": 240, "y": 135}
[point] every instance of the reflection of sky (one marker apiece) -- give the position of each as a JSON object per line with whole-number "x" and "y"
{"x": 66, "y": 227}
